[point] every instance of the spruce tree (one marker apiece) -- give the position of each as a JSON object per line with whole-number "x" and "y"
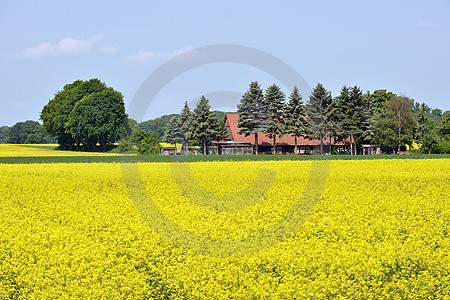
{"x": 250, "y": 112}
{"x": 342, "y": 115}
{"x": 370, "y": 119}
{"x": 203, "y": 123}
{"x": 273, "y": 112}
{"x": 186, "y": 125}
{"x": 318, "y": 110}
{"x": 356, "y": 116}
{"x": 173, "y": 133}
{"x": 295, "y": 121}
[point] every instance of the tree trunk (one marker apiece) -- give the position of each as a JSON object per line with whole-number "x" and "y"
{"x": 351, "y": 147}
{"x": 204, "y": 147}
{"x": 187, "y": 147}
{"x": 274, "y": 145}
{"x": 321, "y": 144}
{"x": 256, "y": 143}
{"x": 330, "y": 145}
{"x": 295, "y": 148}
{"x": 175, "y": 148}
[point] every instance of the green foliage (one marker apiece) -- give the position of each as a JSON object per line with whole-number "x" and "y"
{"x": 204, "y": 123}
{"x": 273, "y": 113}
{"x": 398, "y": 125}
{"x": 319, "y": 110}
{"x": 295, "y": 115}
{"x": 186, "y": 124}
{"x": 157, "y": 125}
{"x": 369, "y": 119}
{"x": 98, "y": 118}
{"x": 173, "y": 133}
{"x": 125, "y": 145}
{"x": 19, "y": 132}
{"x": 85, "y": 113}
{"x": 147, "y": 143}
{"x": 33, "y": 139}
{"x": 250, "y": 112}
{"x": 443, "y": 129}
{"x": 4, "y": 132}
{"x": 380, "y": 97}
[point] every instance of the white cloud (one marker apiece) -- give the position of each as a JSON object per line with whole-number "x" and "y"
{"x": 66, "y": 47}
{"x": 143, "y": 57}
{"x": 426, "y": 24}
{"x": 140, "y": 57}
{"x": 108, "y": 49}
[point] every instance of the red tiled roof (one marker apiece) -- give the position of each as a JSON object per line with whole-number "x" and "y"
{"x": 231, "y": 121}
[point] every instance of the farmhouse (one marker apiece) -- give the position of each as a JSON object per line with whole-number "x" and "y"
{"x": 241, "y": 144}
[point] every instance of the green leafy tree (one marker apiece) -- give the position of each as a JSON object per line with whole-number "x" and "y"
{"x": 203, "y": 122}
{"x": 19, "y": 132}
{"x": 55, "y": 115}
{"x": 98, "y": 118}
{"x": 33, "y": 139}
{"x": 380, "y": 97}
{"x": 443, "y": 129}
{"x": 250, "y": 112}
{"x": 400, "y": 120}
{"x": 4, "y": 131}
{"x": 295, "y": 117}
{"x": 157, "y": 125}
{"x": 273, "y": 113}
{"x": 318, "y": 109}
{"x": 85, "y": 113}
{"x": 147, "y": 143}
{"x": 186, "y": 125}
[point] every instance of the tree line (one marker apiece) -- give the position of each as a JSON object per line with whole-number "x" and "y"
{"x": 354, "y": 117}
{"x": 90, "y": 116}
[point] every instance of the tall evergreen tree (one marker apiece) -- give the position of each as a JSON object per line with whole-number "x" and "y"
{"x": 370, "y": 118}
{"x": 342, "y": 118}
{"x": 173, "y": 133}
{"x": 295, "y": 116}
{"x": 318, "y": 110}
{"x": 186, "y": 125}
{"x": 204, "y": 123}
{"x": 356, "y": 116}
{"x": 423, "y": 126}
{"x": 273, "y": 112}
{"x": 250, "y": 112}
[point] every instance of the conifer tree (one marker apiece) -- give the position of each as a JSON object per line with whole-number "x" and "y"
{"x": 318, "y": 111}
{"x": 295, "y": 116}
{"x": 250, "y": 112}
{"x": 173, "y": 133}
{"x": 273, "y": 112}
{"x": 370, "y": 119}
{"x": 186, "y": 125}
{"x": 203, "y": 123}
{"x": 356, "y": 117}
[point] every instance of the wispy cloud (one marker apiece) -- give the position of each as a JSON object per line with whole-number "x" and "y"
{"x": 108, "y": 49}
{"x": 140, "y": 57}
{"x": 143, "y": 57}
{"x": 426, "y": 24}
{"x": 66, "y": 47}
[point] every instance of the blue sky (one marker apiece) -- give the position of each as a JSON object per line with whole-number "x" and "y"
{"x": 401, "y": 46}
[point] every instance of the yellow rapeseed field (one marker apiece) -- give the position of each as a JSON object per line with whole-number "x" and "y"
{"x": 33, "y": 150}
{"x": 380, "y": 229}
